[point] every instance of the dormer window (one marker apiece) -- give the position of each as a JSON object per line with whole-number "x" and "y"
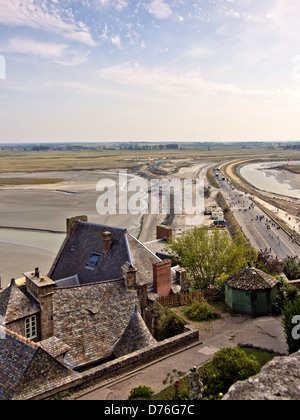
{"x": 92, "y": 262}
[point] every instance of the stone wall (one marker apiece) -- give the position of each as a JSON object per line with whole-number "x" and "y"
{"x": 278, "y": 380}
{"x": 127, "y": 363}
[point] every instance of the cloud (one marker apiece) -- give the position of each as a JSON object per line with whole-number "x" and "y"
{"x": 160, "y": 9}
{"x": 59, "y": 53}
{"x": 30, "y": 46}
{"x": 45, "y": 15}
{"x": 132, "y": 74}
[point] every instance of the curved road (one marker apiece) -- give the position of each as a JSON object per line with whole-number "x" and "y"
{"x": 263, "y": 233}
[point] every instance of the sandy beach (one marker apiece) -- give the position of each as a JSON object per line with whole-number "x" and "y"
{"x": 45, "y": 208}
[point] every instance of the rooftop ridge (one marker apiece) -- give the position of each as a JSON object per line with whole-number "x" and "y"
{"x": 19, "y": 337}
{"x": 89, "y": 284}
{"x": 81, "y": 222}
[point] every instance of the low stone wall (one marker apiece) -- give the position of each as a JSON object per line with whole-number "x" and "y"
{"x": 126, "y": 364}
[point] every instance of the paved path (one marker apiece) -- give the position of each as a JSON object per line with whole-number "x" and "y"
{"x": 265, "y": 332}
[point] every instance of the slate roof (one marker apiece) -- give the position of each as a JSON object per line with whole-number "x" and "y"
{"x": 54, "y": 346}
{"x": 27, "y": 370}
{"x": 90, "y": 318}
{"x": 251, "y": 279}
{"x": 86, "y": 240}
{"x": 14, "y": 304}
{"x": 142, "y": 259}
{"x": 135, "y": 337}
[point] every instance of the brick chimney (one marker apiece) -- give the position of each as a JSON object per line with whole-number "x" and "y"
{"x": 41, "y": 288}
{"x": 107, "y": 241}
{"x": 162, "y": 278}
{"x": 129, "y": 274}
{"x": 163, "y": 232}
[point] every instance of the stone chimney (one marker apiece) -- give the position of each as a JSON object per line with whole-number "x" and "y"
{"x": 162, "y": 278}
{"x": 163, "y": 232}
{"x": 72, "y": 222}
{"x": 129, "y": 274}
{"x": 41, "y": 288}
{"x": 107, "y": 241}
{"x": 182, "y": 279}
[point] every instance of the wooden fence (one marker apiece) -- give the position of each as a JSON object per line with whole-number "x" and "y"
{"x": 186, "y": 298}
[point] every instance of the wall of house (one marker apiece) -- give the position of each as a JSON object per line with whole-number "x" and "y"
{"x": 252, "y": 302}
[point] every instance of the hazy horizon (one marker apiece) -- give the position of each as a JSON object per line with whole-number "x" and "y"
{"x": 170, "y": 70}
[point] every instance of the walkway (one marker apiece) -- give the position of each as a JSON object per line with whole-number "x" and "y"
{"x": 265, "y": 332}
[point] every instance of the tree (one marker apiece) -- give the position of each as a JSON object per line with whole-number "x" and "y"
{"x": 292, "y": 269}
{"x": 208, "y": 254}
{"x": 291, "y": 310}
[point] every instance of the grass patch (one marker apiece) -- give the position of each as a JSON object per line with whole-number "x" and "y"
{"x": 201, "y": 312}
{"x": 28, "y": 181}
{"x": 261, "y": 356}
{"x": 169, "y": 393}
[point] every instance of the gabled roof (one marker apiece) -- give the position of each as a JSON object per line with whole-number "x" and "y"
{"x": 20, "y": 360}
{"x": 14, "y": 304}
{"x": 90, "y": 318}
{"x": 15, "y": 357}
{"x": 86, "y": 241}
{"x": 135, "y": 337}
{"x": 251, "y": 279}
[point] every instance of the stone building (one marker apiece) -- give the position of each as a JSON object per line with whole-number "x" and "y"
{"x": 27, "y": 369}
{"x": 86, "y": 312}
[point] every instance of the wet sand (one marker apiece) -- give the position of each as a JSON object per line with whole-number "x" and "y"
{"x": 46, "y": 207}
{"x": 267, "y": 177}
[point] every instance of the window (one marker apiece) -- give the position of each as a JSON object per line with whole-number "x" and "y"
{"x": 92, "y": 262}
{"x": 30, "y": 327}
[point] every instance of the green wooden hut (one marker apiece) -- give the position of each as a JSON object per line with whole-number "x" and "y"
{"x": 251, "y": 292}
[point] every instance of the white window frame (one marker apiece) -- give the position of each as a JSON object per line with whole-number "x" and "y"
{"x": 31, "y": 327}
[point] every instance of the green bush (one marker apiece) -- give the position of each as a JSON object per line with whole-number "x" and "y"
{"x": 285, "y": 295}
{"x": 291, "y": 269}
{"x": 228, "y": 366}
{"x": 141, "y": 392}
{"x": 169, "y": 324}
{"x": 200, "y": 312}
{"x": 290, "y": 310}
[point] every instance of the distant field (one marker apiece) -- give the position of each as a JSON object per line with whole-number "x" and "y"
{"x": 27, "y": 181}
{"x": 32, "y": 161}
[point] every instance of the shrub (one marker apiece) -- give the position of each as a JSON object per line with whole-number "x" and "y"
{"x": 169, "y": 324}
{"x": 141, "y": 392}
{"x": 200, "y": 312}
{"x": 228, "y": 366}
{"x": 292, "y": 269}
{"x": 290, "y": 310}
{"x": 285, "y": 295}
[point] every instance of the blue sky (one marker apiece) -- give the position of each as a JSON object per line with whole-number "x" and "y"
{"x": 160, "y": 70}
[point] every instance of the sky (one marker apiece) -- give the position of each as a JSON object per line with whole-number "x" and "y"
{"x": 149, "y": 70}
